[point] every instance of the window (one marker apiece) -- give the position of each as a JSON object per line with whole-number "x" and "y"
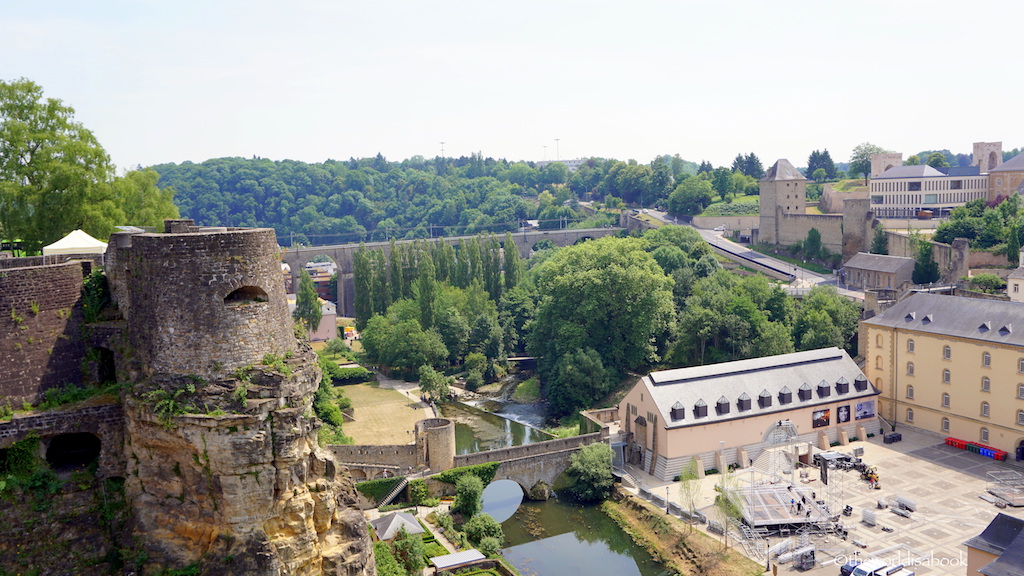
{"x": 878, "y": 199}
{"x": 1020, "y": 365}
{"x": 946, "y": 376}
{"x": 986, "y": 359}
{"x": 956, "y": 185}
{"x": 986, "y": 384}
{"x": 910, "y": 392}
{"x": 1020, "y": 417}
{"x": 878, "y": 341}
{"x": 945, "y": 424}
{"x": 945, "y": 400}
{"x": 910, "y": 414}
{"x": 984, "y": 409}
{"x": 946, "y": 353}
{"x": 878, "y": 362}
{"x": 984, "y": 434}
{"x": 1020, "y": 391}
{"x": 913, "y": 186}
{"x": 910, "y": 346}
{"x": 910, "y": 368}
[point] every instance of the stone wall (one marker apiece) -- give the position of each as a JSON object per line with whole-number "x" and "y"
{"x": 953, "y": 259}
{"x": 793, "y": 228}
{"x": 40, "y": 330}
{"x": 401, "y": 455}
{"x": 980, "y": 259}
{"x": 730, "y": 222}
{"x": 203, "y": 303}
{"x": 105, "y": 421}
{"x": 535, "y": 449}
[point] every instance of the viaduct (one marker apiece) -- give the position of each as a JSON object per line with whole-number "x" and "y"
{"x": 342, "y": 254}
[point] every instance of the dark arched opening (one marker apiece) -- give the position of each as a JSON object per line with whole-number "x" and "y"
{"x": 583, "y": 239}
{"x": 105, "y": 368}
{"x": 73, "y": 451}
{"x": 246, "y": 294}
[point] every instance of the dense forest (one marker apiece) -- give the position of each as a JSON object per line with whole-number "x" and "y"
{"x": 373, "y": 199}
{"x": 591, "y": 313}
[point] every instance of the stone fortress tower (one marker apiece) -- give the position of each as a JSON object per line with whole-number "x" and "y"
{"x": 783, "y": 191}
{"x": 224, "y": 468}
{"x": 987, "y": 155}
{"x": 882, "y": 162}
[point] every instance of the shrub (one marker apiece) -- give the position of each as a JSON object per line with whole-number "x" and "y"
{"x": 385, "y": 560}
{"x": 483, "y": 471}
{"x": 409, "y": 551}
{"x": 590, "y": 472}
{"x": 489, "y": 546}
{"x": 483, "y": 526}
{"x": 468, "y": 491}
{"x": 474, "y": 380}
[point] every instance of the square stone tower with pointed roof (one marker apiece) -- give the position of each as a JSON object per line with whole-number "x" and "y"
{"x": 783, "y": 191}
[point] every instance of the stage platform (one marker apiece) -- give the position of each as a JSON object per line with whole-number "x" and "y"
{"x": 773, "y": 506}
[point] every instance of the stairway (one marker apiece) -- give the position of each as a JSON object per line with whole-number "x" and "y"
{"x": 394, "y": 492}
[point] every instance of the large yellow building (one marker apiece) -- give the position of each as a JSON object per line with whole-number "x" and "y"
{"x": 951, "y": 365}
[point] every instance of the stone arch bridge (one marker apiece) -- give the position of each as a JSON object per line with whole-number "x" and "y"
{"x": 531, "y": 463}
{"x": 342, "y": 254}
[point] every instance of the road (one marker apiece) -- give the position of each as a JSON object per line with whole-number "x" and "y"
{"x": 803, "y": 279}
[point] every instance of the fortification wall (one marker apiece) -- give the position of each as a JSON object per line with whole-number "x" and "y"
{"x": 793, "y": 228}
{"x": 535, "y": 449}
{"x": 401, "y": 455}
{"x": 953, "y": 260}
{"x": 41, "y": 343}
{"x": 105, "y": 421}
{"x": 988, "y": 260}
{"x": 205, "y": 303}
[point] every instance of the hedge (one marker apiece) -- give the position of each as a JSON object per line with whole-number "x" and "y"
{"x": 483, "y": 471}
{"x": 377, "y": 489}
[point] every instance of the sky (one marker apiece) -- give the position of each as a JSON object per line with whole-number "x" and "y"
{"x": 312, "y": 80}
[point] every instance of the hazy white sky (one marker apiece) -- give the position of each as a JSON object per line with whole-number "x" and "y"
{"x": 161, "y": 81}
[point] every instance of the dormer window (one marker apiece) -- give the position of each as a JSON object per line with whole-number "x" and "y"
{"x": 700, "y": 409}
{"x": 764, "y": 399}
{"x": 860, "y": 383}
{"x": 722, "y": 406}
{"x": 910, "y": 317}
{"x": 678, "y": 412}
{"x": 927, "y": 319}
{"x": 785, "y": 395}
{"x": 984, "y": 327}
{"x": 1006, "y": 330}
{"x": 743, "y": 403}
{"x": 804, "y": 393}
{"x": 842, "y": 385}
{"x": 824, "y": 390}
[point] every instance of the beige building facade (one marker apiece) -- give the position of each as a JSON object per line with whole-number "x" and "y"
{"x": 1007, "y": 178}
{"x": 720, "y": 414}
{"x": 951, "y": 365}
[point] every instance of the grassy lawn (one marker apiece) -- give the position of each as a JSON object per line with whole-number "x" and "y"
{"x": 528, "y": 391}
{"x": 740, "y": 206}
{"x": 794, "y": 261}
{"x": 383, "y": 416}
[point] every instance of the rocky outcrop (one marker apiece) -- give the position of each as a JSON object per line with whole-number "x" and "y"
{"x": 227, "y": 474}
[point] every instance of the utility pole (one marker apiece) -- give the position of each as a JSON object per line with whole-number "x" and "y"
{"x": 442, "y": 149}
{"x": 557, "y": 154}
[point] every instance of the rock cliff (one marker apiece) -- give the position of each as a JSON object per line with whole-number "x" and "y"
{"x": 226, "y": 474}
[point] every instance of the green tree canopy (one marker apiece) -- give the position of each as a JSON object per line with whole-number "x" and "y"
{"x": 879, "y": 241}
{"x": 691, "y": 196}
{"x": 860, "y": 160}
{"x": 307, "y": 303}
{"x": 590, "y": 472}
{"x": 469, "y": 490}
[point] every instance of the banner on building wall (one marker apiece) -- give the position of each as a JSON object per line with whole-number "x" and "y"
{"x": 843, "y": 414}
{"x": 821, "y": 418}
{"x": 865, "y": 409}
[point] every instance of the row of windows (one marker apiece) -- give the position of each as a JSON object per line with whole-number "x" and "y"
{"x": 947, "y": 354}
{"x": 985, "y": 407}
{"x": 943, "y": 184}
{"x": 925, "y": 201}
{"x": 983, "y": 433}
{"x": 986, "y": 383}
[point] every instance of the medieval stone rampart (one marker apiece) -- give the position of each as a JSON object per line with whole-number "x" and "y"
{"x": 40, "y": 330}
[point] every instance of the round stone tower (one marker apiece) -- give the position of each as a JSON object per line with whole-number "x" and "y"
{"x": 206, "y": 303}
{"x": 439, "y": 434}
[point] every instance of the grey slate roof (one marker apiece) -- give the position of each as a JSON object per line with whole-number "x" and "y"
{"x": 387, "y": 526}
{"x": 1012, "y": 165}
{"x": 1017, "y": 273}
{"x": 878, "y": 262}
{"x": 922, "y": 171}
{"x": 820, "y": 370}
{"x": 782, "y": 170}
{"x": 998, "y": 535}
{"x": 994, "y": 321}
{"x": 1010, "y": 562}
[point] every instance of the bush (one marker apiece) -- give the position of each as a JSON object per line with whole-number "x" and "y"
{"x": 483, "y": 526}
{"x": 433, "y": 549}
{"x": 590, "y": 472}
{"x": 485, "y": 472}
{"x": 409, "y": 551}
{"x": 474, "y": 380}
{"x": 489, "y": 546}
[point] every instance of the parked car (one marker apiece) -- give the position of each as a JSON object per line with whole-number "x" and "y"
{"x": 847, "y": 569}
{"x": 720, "y": 228}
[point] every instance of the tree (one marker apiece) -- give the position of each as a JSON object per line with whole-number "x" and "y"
{"x": 812, "y": 245}
{"x": 482, "y": 526}
{"x": 385, "y": 560}
{"x": 608, "y": 294}
{"x": 1013, "y": 245}
{"x": 926, "y": 269}
{"x": 721, "y": 181}
{"x": 54, "y": 174}
{"x": 879, "y": 242}
{"x": 728, "y": 503}
{"x": 819, "y": 174}
{"x": 913, "y": 160}
{"x": 307, "y": 303}
{"x": 577, "y": 380}
{"x": 690, "y": 197}
{"x": 590, "y": 472}
{"x": 860, "y": 160}
{"x": 705, "y": 166}
{"x": 468, "y": 491}
{"x": 435, "y": 385}
{"x": 142, "y": 201}
{"x": 937, "y": 160}
{"x": 821, "y": 161}
{"x": 832, "y": 317}
{"x": 409, "y": 551}
{"x": 689, "y": 488}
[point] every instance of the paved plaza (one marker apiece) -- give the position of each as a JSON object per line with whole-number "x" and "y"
{"x": 944, "y": 482}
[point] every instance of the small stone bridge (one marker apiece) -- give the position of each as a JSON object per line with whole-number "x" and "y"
{"x": 342, "y": 254}
{"x": 73, "y": 437}
{"x": 531, "y": 463}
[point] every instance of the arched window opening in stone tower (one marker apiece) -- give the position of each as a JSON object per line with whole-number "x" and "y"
{"x": 73, "y": 451}
{"x": 245, "y": 295}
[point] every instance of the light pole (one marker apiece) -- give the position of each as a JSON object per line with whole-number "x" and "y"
{"x": 545, "y": 153}
{"x": 442, "y": 149}
{"x": 557, "y": 155}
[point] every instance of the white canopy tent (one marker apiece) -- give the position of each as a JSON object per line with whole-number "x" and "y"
{"x": 77, "y": 242}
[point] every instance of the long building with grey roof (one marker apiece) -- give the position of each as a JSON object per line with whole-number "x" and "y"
{"x": 674, "y": 416}
{"x": 951, "y": 365}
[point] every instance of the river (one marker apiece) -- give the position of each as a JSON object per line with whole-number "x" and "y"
{"x": 477, "y": 430}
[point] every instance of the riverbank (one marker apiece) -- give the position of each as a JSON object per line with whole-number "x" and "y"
{"x": 672, "y": 542}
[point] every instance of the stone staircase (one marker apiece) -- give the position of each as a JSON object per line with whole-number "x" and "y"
{"x": 394, "y": 492}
